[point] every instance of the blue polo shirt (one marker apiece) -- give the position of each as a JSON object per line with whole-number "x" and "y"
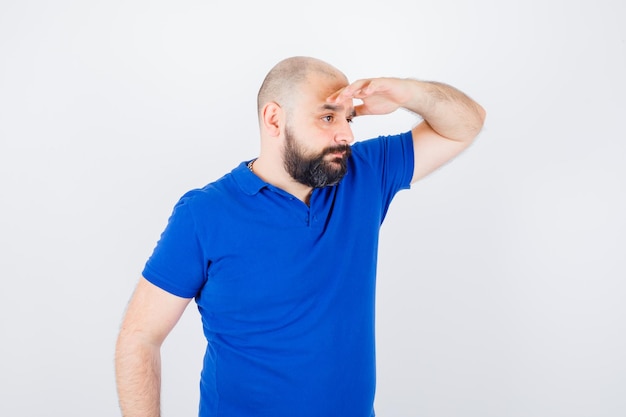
{"x": 285, "y": 290}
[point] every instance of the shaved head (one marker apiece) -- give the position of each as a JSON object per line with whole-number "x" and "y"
{"x": 283, "y": 81}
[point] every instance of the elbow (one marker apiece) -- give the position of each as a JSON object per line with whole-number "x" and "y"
{"x": 480, "y": 115}
{"x": 474, "y": 128}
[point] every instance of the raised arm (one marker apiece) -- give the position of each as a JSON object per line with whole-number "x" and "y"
{"x": 150, "y": 316}
{"x": 451, "y": 120}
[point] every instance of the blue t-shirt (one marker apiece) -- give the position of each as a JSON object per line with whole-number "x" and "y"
{"x": 285, "y": 290}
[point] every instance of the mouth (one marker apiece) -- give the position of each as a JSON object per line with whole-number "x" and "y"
{"x": 338, "y": 154}
{"x": 337, "y": 158}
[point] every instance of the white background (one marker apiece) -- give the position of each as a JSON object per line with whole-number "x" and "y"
{"x": 501, "y": 278}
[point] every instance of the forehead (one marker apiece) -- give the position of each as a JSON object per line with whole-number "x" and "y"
{"x": 318, "y": 87}
{"x": 323, "y": 84}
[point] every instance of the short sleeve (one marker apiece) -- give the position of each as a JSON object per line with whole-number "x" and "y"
{"x": 177, "y": 264}
{"x": 392, "y": 159}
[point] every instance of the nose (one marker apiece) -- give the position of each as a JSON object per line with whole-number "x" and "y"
{"x": 344, "y": 135}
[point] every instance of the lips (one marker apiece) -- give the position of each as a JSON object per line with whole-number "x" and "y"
{"x": 338, "y": 152}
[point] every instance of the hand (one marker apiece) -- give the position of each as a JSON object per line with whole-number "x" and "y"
{"x": 378, "y": 95}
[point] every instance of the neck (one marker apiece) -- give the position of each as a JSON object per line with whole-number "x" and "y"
{"x": 274, "y": 173}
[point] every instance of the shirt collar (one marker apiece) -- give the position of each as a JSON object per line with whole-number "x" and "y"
{"x": 247, "y": 180}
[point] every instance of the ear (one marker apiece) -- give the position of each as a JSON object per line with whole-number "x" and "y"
{"x": 272, "y": 118}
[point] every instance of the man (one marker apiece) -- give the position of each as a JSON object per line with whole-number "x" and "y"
{"x": 280, "y": 253}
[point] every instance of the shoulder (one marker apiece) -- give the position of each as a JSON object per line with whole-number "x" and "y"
{"x": 385, "y": 161}
{"x": 383, "y": 149}
{"x": 206, "y": 197}
{"x": 382, "y": 143}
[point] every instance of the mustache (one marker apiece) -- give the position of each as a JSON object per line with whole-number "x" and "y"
{"x": 337, "y": 148}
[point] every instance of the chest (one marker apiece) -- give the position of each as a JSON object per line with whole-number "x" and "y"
{"x": 274, "y": 251}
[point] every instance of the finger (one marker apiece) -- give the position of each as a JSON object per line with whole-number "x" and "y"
{"x": 361, "y": 110}
{"x": 354, "y": 90}
{"x": 333, "y": 97}
{"x": 343, "y": 94}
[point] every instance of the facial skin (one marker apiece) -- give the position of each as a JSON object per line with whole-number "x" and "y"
{"x": 318, "y": 123}
{"x": 318, "y": 170}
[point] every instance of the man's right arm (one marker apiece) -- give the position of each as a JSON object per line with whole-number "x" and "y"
{"x": 150, "y": 316}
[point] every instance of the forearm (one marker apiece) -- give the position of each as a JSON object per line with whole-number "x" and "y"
{"x": 448, "y": 111}
{"x": 138, "y": 377}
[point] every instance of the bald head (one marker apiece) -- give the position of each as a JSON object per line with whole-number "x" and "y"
{"x": 282, "y": 82}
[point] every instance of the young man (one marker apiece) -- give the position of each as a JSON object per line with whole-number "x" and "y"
{"x": 280, "y": 253}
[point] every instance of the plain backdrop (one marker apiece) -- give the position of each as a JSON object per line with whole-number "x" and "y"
{"x": 501, "y": 287}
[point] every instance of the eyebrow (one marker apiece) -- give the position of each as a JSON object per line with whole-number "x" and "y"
{"x": 336, "y": 108}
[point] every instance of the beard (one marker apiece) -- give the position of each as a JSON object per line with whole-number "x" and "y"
{"x": 314, "y": 171}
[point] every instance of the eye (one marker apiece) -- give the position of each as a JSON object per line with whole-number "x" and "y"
{"x": 350, "y": 120}
{"x": 328, "y": 118}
